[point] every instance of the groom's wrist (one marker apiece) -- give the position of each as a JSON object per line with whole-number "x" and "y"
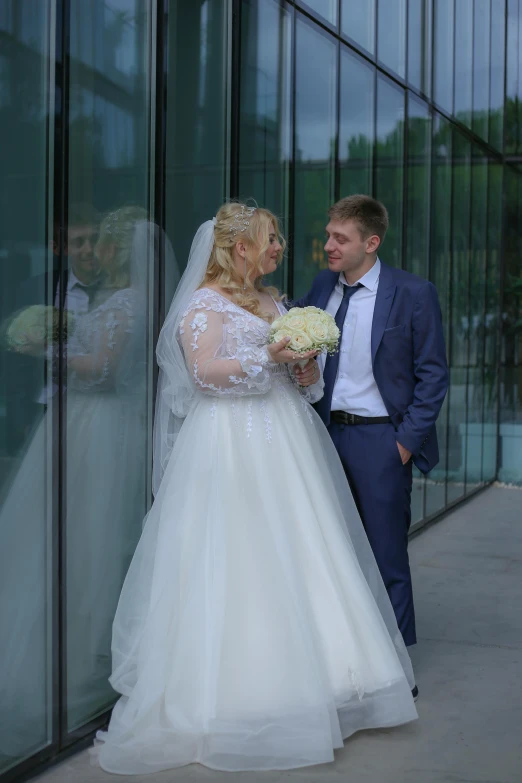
{"x": 408, "y": 441}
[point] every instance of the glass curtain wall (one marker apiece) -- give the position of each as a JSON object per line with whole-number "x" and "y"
{"x": 416, "y": 119}
{"x": 28, "y": 428}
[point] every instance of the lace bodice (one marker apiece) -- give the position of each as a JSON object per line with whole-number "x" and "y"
{"x": 100, "y": 343}
{"x": 225, "y": 348}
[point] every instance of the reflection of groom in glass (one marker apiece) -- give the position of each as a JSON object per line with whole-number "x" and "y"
{"x": 74, "y": 290}
{"x": 81, "y": 276}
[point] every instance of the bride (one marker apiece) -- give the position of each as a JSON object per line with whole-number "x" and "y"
{"x": 253, "y": 631}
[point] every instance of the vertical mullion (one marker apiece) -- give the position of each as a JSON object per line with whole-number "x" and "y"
{"x": 450, "y": 309}
{"x": 59, "y": 411}
{"x": 484, "y": 313}
{"x": 291, "y": 173}
{"x": 160, "y": 156}
{"x": 235, "y": 90}
{"x": 337, "y": 165}
{"x": 54, "y": 139}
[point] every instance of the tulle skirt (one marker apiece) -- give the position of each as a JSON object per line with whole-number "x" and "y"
{"x": 253, "y": 630}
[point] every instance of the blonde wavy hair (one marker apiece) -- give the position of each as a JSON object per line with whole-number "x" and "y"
{"x": 222, "y": 270}
{"x": 118, "y": 228}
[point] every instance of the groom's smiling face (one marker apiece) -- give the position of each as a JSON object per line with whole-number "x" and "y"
{"x": 346, "y": 248}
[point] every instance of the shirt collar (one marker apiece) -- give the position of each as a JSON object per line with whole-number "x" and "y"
{"x": 72, "y": 281}
{"x": 369, "y": 280}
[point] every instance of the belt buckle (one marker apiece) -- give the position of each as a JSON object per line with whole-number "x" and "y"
{"x": 351, "y": 418}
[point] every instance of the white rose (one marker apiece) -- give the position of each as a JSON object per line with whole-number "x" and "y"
{"x": 300, "y": 342}
{"x": 295, "y": 322}
{"x": 279, "y": 335}
{"x": 333, "y": 331}
{"x": 317, "y": 330}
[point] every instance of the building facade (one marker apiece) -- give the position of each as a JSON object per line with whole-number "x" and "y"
{"x": 118, "y": 112}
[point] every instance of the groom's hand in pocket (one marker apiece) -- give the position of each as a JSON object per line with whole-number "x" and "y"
{"x": 405, "y": 454}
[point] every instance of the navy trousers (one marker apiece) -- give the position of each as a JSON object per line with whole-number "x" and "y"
{"x": 381, "y": 486}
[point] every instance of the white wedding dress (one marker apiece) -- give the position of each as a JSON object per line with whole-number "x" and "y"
{"x": 253, "y": 630}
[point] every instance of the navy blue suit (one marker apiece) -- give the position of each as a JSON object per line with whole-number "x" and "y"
{"x": 410, "y": 370}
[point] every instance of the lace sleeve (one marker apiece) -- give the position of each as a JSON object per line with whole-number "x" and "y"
{"x": 221, "y": 359}
{"x": 97, "y": 349}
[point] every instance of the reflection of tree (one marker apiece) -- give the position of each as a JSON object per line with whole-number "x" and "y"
{"x": 512, "y": 303}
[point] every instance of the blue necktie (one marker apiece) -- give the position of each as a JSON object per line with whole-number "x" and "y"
{"x": 331, "y": 366}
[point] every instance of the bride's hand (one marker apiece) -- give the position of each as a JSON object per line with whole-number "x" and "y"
{"x": 279, "y": 352}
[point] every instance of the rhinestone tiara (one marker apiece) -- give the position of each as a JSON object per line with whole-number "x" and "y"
{"x": 241, "y": 220}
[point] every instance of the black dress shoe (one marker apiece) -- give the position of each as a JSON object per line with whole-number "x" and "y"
{"x": 415, "y": 693}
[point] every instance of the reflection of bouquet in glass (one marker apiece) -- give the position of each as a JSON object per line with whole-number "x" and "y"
{"x": 309, "y": 329}
{"x": 31, "y": 329}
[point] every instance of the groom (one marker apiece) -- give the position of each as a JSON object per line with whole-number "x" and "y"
{"x": 385, "y": 387}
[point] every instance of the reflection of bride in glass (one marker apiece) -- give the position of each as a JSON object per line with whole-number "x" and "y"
{"x": 105, "y": 494}
{"x": 106, "y": 459}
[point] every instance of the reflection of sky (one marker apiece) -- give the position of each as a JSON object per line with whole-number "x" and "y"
{"x": 357, "y": 81}
{"x": 27, "y": 20}
{"x": 358, "y": 21}
{"x": 514, "y": 30}
{"x": 390, "y": 108}
{"x": 326, "y": 8}
{"x": 315, "y": 100}
{"x": 104, "y": 36}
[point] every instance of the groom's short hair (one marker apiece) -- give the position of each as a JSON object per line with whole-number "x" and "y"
{"x": 370, "y": 215}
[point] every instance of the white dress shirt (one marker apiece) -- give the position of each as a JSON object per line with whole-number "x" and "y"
{"x": 355, "y": 390}
{"x": 76, "y": 296}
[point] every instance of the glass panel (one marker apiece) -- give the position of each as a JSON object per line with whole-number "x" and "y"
{"x": 418, "y": 203}
{"x": 391, "y": 35}
{"x": 358, "y": 22}
{"x": 108, "y": 296}
{"x": 510, "y": 469}
{"x": 196, "y": 182}
{"x": 443, "y": 45}
{"x": 325, "y": 8}
{"x": 464, "y": 61}
{"x": 519, "y": 94}
{"x": 481, "y": 67}
{"x": 477, "y": 294}
{"x": 314, "y": 140}
{"x": 492, "y": 321}
{"x": 417, "y": 239}
{"x": 512, "y": 76}
{"x": 459, "y": 338}
{"x": 419, "y": 44}
{"x": 389, "y": 163}
{"x": 27, "y": 423}
{"x": 357, "y": 124}
{"x": 440, "y": 276}
{"x": 496, "y": 92}
{"x": 265, "y": 118}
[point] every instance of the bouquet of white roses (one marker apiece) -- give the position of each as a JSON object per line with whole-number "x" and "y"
{"x": 309, "y": 329}
{"x": 34, "y": 327}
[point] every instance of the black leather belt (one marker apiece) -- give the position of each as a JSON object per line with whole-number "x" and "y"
{"x": 341, "y": 417}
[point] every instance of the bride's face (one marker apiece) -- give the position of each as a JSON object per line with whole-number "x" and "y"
{"x": 105, "y": 252}
{"x": 269, "y": 262}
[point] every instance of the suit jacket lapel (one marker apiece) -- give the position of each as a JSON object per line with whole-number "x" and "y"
{"x": 326, "y": 291}
{"x": 383, "y": 303}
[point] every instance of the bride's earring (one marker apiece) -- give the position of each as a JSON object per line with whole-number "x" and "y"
{"x": 244, "y": 278}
